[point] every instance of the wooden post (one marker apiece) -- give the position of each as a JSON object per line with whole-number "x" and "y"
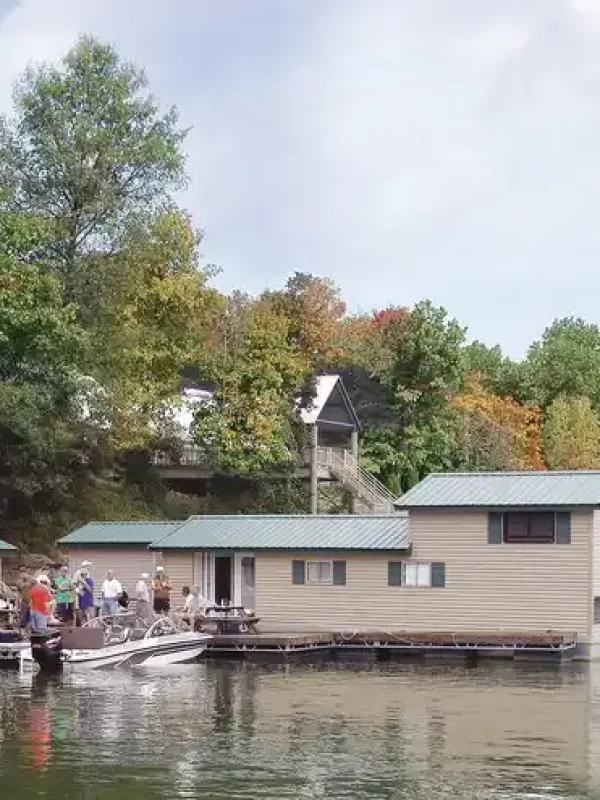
{"x": 314, "y": 469}
{"x": 354, "y": 444}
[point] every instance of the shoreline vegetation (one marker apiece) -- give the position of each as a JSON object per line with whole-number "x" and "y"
{"x": 106, "y": 305}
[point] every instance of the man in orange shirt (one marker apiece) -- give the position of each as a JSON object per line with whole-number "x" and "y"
{"x": 41, "y": 597}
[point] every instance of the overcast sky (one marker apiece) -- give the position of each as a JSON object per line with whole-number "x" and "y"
{"x": 447, "y": 149}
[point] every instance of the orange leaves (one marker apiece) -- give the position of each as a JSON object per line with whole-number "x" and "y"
{"x": 519, "y": 424}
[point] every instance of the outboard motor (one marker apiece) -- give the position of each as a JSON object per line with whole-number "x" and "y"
{"x": 46, "y": 649}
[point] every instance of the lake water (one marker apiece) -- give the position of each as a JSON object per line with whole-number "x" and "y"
{"x": 338, "y": 731}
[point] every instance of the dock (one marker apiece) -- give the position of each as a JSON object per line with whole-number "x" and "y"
{"x": 383, "y": 645}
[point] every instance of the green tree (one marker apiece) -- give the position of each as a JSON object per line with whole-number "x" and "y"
{"x": 566, "y": 361}
{"x": 250, "y": 427}
{"x": 88, "y": 150}
{"x": 427, "y": 367}
{"x": 151, "y": 312}
{"x": 500, "y": 374}
{"x": 571, "y": 434}
{"x": 40, "y": 347}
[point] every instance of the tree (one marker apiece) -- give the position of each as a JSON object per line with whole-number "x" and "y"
{"x": 250, "y": 426}
{"x": 151, "y": 312}
{"x": 572, "y": 434}
{"x": 499, "y": 374}
{"x": 497, "y": 432}
{"x": 315, "y": 310}
{"x": 40, "y": 347}
{"x": 566, "y": 361}
{"x": 88, "y": 150}
{"x": 426, "y": 368}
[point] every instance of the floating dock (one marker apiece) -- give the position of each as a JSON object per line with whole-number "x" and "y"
{"x": 382, "y": 645}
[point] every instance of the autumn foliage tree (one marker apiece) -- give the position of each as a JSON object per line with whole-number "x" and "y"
{"x": 314, "y": 310}
{"x": 572, "y": 434}
{"x": 497, "y": 432}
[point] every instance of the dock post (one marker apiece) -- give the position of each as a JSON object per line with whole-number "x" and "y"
{"x": 314, "y": 469}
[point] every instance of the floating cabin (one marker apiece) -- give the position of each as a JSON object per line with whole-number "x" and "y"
{"x": 471, "y": 559}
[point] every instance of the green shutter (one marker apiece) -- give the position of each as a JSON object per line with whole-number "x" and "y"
{"x": 298, "y": 572}
{"x": 563, "y": 527}
{"x": 438, "y": 574}
{"x": 394, "y": 573}
{"x": 339, "y": 573}
{"x": 494, "y": 528}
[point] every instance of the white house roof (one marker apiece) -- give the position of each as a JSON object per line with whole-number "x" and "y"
{"x": 325, "y": 384}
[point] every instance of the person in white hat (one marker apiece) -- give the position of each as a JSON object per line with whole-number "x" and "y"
{"x": 142, "y": 596}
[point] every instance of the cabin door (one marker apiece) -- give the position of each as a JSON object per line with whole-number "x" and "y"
{"x": 245, "y": 580}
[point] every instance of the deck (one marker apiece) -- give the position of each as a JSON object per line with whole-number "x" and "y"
{"x": 382, "y": 644}
{"x": 377, "y": 645}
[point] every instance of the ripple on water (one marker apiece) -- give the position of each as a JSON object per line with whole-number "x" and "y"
{"x": 244, "y": 731}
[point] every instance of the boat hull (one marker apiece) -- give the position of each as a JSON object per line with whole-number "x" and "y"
{"x": 160, "y": 651}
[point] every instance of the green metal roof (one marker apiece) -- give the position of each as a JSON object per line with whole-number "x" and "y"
{"x": 5, "y": 547}
{"x": 108, "y": 533}
{"x": 283, "y": 532}
{"x": 504, "y": 489}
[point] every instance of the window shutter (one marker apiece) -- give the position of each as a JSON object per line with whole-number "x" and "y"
{"x": 563, "y": 527}
{"x": 438, "y": 574}
{"x": 394, "y": 573}
{"x": 339, "y": 573}
{"x": 494, "y": 528}
{"x": 298, "y": 572}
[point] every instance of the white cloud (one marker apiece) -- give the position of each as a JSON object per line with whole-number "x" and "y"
{"x": 407, "y": 149}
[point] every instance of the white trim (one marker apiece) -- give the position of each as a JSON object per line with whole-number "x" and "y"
{"x": 237, "y": 575}
{"x": 319, "y": 582}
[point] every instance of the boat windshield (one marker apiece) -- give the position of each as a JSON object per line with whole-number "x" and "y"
{"x": 127, "y": 626}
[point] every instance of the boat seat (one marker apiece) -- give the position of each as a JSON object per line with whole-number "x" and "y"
{"x": 82, "y": 638}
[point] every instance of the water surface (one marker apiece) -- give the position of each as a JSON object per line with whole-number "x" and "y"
{"x": 339, "y": 731}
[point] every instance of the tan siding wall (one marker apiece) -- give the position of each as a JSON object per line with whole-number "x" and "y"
{"x": 127, "y": 564}
{"x": 180, "y": 568}
{"x": 488, "y": 587}
{"x": 596, "y": 554}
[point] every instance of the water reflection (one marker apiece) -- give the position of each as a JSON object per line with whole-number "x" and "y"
{"x": 247, "y": 731}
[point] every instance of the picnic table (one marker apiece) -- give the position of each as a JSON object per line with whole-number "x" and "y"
{"x": 230, "y": 620}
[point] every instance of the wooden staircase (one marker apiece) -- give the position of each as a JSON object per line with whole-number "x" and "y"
{"x": 371, "y": 496}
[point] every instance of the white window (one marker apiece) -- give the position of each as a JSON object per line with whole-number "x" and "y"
{"x": 319, "y": 571}
{"x": 416, "y": 573}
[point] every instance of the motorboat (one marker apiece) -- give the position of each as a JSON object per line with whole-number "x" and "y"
{"x": 117, "y": 640}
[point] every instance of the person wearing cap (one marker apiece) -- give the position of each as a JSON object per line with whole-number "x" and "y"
{"x": 84, "y": 592}
{"x": 40, "y": 600}
{"x": 142, "y": 596}
{"x": 161, "y": 586}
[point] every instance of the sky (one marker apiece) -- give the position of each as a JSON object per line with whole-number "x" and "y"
{"x": 442, "y": 149}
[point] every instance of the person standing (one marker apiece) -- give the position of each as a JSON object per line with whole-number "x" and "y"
{"x": 111, "y": 591}
{"x": 161, "y": 586}
{"x": 84, "y": 591}
{"x": 142, "y": 596}
{"x": 40, "y": 601}
{"x": 25, "y": 582}
{"x": 65, "y": 596}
